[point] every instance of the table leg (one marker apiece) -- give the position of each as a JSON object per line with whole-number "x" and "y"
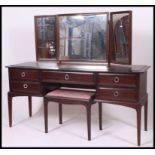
{"x": 100, "y": 115}
{"x": 10, "y": 109}
{"x": 46, "y": 115}
{"x": 60, "y": 113}
{"x": 88, "y": 107}
{"x": 145, "y": 114}
{"x": 138, "y": 110}
{"x": 30, "y": 105}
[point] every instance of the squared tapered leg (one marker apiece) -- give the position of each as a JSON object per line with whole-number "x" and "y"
{"x": 145, "y": 114}
{"x": 100, "y": 115}
{"x": 46, "y": 114}
{"x": 60, "y": 113}
{"x": 30, "y": 105}
{"x": 10, "y": 109}
{"x": 138, "y": 109}
{"x": 88, "y": 107}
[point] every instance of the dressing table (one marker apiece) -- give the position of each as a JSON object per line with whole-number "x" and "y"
{"x": 62, "y": 63}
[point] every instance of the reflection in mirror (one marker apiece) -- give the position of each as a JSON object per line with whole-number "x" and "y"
{"x": 45, "y": 26}
{"x": 83, "y": 37}
{"x": 121, "y": 47}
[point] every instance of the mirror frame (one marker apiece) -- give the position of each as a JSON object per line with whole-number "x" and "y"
{"x": 111, "y": 51}
{"x": 82, "y": 60}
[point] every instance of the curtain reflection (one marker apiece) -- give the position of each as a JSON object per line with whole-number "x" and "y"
{"x": 121, "y": 38}
{"x": 45, "y": 30}
{"x": 83, "y": 37}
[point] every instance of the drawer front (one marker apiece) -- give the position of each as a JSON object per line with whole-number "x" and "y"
{"x": 24, "y": 74}
{"x": 127, "y": 80}
{"x": 25, "y": 86}
{"x": 116, "y": 94}
{"x": 68, "y": 77}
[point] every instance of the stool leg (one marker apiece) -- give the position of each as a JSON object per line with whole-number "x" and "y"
{"x": 46, "y": 115}
{"x": 88, "y": 107}
{"x": 60, "y": 113}
{"x": 100, "y": 115}
{"x": 30, "y": 105}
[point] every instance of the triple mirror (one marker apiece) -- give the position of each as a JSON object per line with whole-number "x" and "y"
{"x": 92, "y": 37}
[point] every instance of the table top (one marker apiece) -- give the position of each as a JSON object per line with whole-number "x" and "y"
{"x": 113, "y": 68}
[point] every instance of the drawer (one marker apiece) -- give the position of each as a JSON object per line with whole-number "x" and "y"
{"x": 24, "y": 74}
{"x": 25, "y": 86}
{"x": 116, "y": 94}
{"x": 68, "y": 77}
{"x": 126, "y": 80}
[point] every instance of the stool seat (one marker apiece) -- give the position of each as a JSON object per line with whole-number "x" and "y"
{"x": 72, "y": 94}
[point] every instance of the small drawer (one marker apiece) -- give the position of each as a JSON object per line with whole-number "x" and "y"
{"x": 24, "y": 74}
{"x": 126, "y": 80}
{"x": 115, "y": 94}
{"x": 25, "y": 86}
{"x": 68, "y": 77}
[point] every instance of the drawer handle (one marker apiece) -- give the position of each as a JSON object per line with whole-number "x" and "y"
{"x": 25, "y": 85}
{"x": 23, "y": 74}
{"x": 116, "y": 93}
{"x": 66, "y": 77}
{"x": 116, "y": 79}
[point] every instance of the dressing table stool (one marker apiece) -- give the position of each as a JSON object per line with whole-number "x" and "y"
{"x": 71, "y": 97}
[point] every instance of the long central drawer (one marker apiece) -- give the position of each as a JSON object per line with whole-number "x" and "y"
{"x": 68, "y": 77}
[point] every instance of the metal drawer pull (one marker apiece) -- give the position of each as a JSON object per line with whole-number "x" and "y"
{"x": 23, "y": 74}
{"x": 116, "y": 93}
{"x": 116, "y": 79}
{"x": 25, "y": 85}
{"x": 66, "y": 77}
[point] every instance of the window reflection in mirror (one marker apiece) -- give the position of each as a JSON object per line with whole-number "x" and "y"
{"x": 83, "y": 37}
{"x": 45, "y": 27}
{"x": 121, "y": 43}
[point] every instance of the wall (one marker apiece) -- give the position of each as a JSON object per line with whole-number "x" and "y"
{"x": 18, "y": 46}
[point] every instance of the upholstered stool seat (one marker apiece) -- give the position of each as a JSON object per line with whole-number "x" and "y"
{"x": 72, "y": 97}
{"x": 72, "y": 94}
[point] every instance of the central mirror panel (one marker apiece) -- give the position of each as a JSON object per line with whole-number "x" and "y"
{"x": 83, "y": 37}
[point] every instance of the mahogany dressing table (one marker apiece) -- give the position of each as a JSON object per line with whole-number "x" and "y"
{"x": 91, "y": 40}
{"x": 122, "y": 85}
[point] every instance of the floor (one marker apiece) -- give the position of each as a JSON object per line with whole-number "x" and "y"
{"x": 29, "y": 132}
